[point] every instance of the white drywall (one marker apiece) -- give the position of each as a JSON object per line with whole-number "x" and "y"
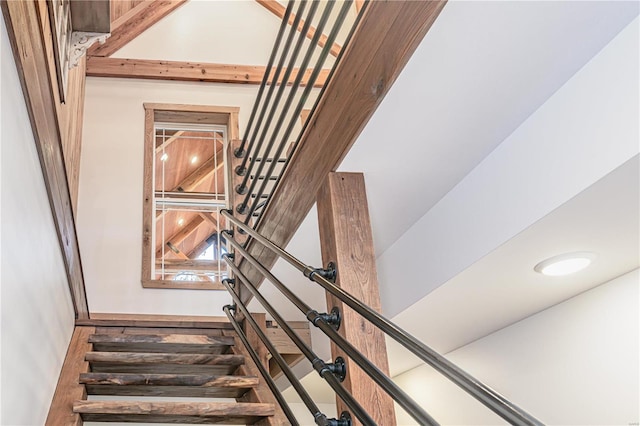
{"x": 110, "y": 194}
{"x": 575, "y": 363}
{"x": 37, "y": 313}
{"x": 585, "y": 130}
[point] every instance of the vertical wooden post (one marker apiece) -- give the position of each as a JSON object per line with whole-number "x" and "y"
{"x": 346, "y": 240}
{"x": 68, "y": 389}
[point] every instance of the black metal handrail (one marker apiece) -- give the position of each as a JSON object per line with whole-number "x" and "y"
{"x": 322, "y": 323}
{"x": 261, "y": 368}
{"x": 483, "y": 393}
{"x": 326, "y": 371}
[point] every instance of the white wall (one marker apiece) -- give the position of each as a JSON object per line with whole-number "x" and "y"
{"x": 575, "y": 363}
{"x": 110, "y": 194}
{"x": 37, "y": 313}
{"x": 588, "y": 128}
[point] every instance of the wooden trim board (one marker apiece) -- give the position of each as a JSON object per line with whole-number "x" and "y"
{"x": 29, "y": 45}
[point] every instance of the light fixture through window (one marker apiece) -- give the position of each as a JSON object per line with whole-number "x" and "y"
{"x": 180, "y": 221}
{"x": 194, "y": 159}
{"x": 164, "y": 157}
{"x": 565, "y": 264}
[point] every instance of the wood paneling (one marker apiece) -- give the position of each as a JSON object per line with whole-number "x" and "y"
{"x": 386, "y": 36}
{"x": 187, "y": 71}
{"x": 33, "y": 53}
{"x": 173, "y": 412}
{"x": 346, "y": 239}
{"x": 278, "y": 9}
{"x": 68, "y": 389}
{"x": 146, "y": 15}
{"x": 164, "y": 321}
{"x": 92, "y": 16}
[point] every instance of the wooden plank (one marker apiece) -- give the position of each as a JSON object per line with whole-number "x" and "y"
{"x": 184, "y": 285}
{"x": 282, "y": 342}
{"x": 161, "y": 343}
{"x": 262, "y": 393}
{"x": 24, "y": 28}
{"x": 173, "y": 412}
{"x": 175, "y": 385}
{"x": 278, "y": 9}
{"x": 359, "y": 5}
{"x": 148, "y": 320}
{"x": 68, "y": 389}
{"x": 158, "y": 330}
{"x": 188, "y": 71}
{"x": 162, "y": 363}
{"x": 346, "y": 239}
{"x": 135, "y": 25}
{"x": 386, "y": 36}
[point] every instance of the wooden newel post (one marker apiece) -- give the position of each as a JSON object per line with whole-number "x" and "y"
{"x": 346, "y": 240}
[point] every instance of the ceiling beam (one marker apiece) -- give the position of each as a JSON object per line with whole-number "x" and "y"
{"x": 387, "y": 35}
{"x": 140, "y": 19}
{"x": 163, "y": 145}
{"x": 181, "y": 235}
{"x": 187, "y": 71}
{"x": 277, "y": 9}
{"x": 188, "y": 265}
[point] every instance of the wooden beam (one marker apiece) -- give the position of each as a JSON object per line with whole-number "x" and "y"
{"x": 187, "y": 71}
{"x": 359, "y": 5}
{"x": 123, "y": 10}
{"x": 182, "y": 234}
{"x": 386, "y": 36}
{"x": 27, "y": 40}
{"x": 68, "y": 389}
{"x": 164, "y": 144}
{"x": 146, "y": 15}
{"x": 346, "y": 239}
{"x": 278, "y": 9}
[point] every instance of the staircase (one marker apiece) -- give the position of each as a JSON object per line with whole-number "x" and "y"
{"x": 132, "y": 363}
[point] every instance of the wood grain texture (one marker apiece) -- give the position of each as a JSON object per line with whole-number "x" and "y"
{"x": 161, "y": 343}
{"x": 173, "y": 412}
{"x": 187, "y": 71}
{"x": 261, "y": 393}
{"x": 122, "y": 10}
{"x": 174, "y": 385}
{"x": 278, "y": 9}
{"x": 386, "y": 36}
{"x": 346, "y": 239}
{"x": 160, "y": 321}
{"x": 68, "y": 389}
{"x": 147, "y": 15}
{"x": 31, "y": 47}
{"x": 91, "y": 16}
{"x": 163, "y": 363}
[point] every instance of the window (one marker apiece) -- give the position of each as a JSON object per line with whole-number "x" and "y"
{"x": 185, "y": 188}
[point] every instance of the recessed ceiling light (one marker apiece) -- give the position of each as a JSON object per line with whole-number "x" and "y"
{"x": 565, "y": 264}
{"x": 194, "y": 159}
{"x": 164, "y": 157}
{"x": 181, "y": 221}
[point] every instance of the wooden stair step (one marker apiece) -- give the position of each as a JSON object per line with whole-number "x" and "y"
{"x": 163, "y": 363}
{"x": 177, "y": 385}
{"x": 161, "y": 343}
{"x": 173, "y": 412}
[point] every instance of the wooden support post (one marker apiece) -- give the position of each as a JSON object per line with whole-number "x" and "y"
{"x": 68, "y": 389}
{"x": 346, "y": 240}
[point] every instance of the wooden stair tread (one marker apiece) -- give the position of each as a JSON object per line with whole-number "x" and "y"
{"x": 182, "y": 385}
{"x": 163, "y": 363}
{"x": 173, "y": 412}
{"x": 161, "y": 343}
